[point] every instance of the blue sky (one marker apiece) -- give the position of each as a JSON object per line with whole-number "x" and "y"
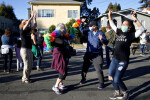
{"x": 20, "y": 6}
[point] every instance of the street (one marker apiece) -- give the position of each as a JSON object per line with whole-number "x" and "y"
{"x": 137, "y": 79}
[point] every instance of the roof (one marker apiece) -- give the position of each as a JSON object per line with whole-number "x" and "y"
{"x": 55, "y": 2}
{"x": 125, "y": 10}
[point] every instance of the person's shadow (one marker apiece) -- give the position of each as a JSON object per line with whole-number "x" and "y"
{"x": 145, "y": 87}
{"x": 137, "y": 72}
{"x": 77, "y": 86}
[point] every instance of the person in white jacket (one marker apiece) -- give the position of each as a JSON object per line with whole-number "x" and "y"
{"x": 143, "y": 42}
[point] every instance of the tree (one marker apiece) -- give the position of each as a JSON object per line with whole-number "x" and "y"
{"x": 118, "y": 7}
{"x": 110, "y": 6}
{"x": 115, "y": 7}
{"x": 145, "y": 4}
{"x": 85, "y": 11}
{"x": 51, "y": 28}
{"x": 7, "y": 11}
{"x": 3, "y": 10}
{"x": 94, "y": 13}
{"x": 87, "y": 1}
{"x": 69, "y": 24}
{"x": 10, "y": 13}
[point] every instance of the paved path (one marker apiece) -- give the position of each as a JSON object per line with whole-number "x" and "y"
{"x": 137, "y": 79}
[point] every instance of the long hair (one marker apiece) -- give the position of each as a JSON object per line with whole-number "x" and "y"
{"x": 22, "y": 24}
{"x": 8, "y": 32}
{"x": 131, "y": 25}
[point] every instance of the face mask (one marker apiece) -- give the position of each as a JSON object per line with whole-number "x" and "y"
{"x": 64, "y": 31}
{"x": 94, "y": 33}
{"x": 91, "y": 28}
{"x": 124, "y": 28}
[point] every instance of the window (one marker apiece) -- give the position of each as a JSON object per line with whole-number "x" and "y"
{"x": 46, "y": 13}
{"x": 72, "y": 13}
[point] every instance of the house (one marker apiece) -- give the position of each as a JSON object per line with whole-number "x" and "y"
{"x": 52, "y": 12}
{"x": 147, "y": 10}
{"x": 7, "y": 23}
{"x": 122, "y": 15}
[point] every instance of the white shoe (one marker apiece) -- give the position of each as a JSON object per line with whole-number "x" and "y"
{"x": 62, "y": 87}
{"x": 142, "y": 54}
{"x": 56, "y": 90}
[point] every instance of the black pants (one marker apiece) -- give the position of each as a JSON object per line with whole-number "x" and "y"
{"x": 8, "y": 58}
{"x": 95, "y": 59}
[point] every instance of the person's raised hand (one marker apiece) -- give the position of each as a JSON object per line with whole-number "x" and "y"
{"x": 110, "y": 12}
{"x": 35, "y": 13}
{"x": 32, "y": 14}
{"x": 133, "y": 15}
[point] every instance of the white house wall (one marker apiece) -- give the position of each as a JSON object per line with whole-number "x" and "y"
{"x": 103, "y": 21}
{"x": 140, "y": 17}
{"x": 146, "y": 21}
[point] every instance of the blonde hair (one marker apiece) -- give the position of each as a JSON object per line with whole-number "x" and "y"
{"x": 22, "y": 24}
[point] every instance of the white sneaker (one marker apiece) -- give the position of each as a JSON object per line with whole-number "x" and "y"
{"x": 56, "y": 90}
{"x": 62, "y": 87}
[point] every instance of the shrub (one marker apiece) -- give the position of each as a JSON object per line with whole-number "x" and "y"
{"x": 51, "y": 28}
{"x": 69, "y": 24}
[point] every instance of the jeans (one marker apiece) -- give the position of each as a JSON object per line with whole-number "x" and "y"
{"x": 143, "y": 48}
{"x": 8, "y": 58}
{"x": 117, "y": 69}
{"x": 39, "y": 58}
{"x": 97, "y": 60}
{"x": 41, "y": 49}
{"x": 19, "y": 64}
{"x": 108, "y": 49}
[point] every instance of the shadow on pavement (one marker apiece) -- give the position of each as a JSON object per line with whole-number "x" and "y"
{"x": 145, "y": 87}
{"x": 137, "y": 72}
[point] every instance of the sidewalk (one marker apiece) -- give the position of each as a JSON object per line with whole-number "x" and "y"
{"x": 137, "y": 79}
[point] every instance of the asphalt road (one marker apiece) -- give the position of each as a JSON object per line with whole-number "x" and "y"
{"x": 137, "y": 79}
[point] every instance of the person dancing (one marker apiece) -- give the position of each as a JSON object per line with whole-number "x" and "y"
{"x": 120, "y": 58}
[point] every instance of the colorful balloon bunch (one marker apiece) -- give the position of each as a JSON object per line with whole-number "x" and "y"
{"x": 48, "y": 38}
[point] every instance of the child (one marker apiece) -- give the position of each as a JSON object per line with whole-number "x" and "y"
{"x": 19, "y": 59}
